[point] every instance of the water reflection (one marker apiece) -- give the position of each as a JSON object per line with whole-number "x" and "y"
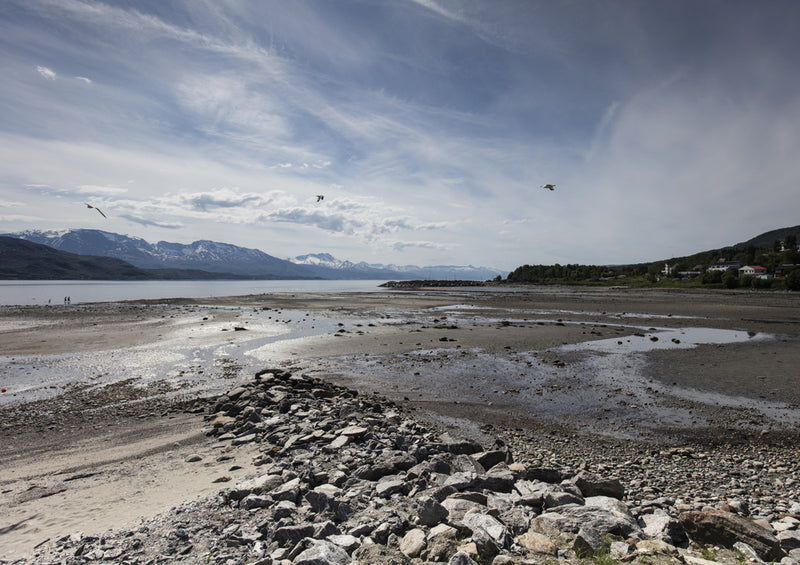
{"x": 667, "y": 338}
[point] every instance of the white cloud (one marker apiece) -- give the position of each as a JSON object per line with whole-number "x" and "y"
{"x": 443, "y": 115}
{"x": 11, "y": 203}
{"x": 152, "y": 223}
{"x": 97, "y": 190}
{"x": 46, "y": 73}
{"x": 403, "y": 245}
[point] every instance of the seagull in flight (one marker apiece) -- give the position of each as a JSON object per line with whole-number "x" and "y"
{"x": 320, "y": 197}
{"x": 550, "y": 186}
{"x": 96, "y": 208}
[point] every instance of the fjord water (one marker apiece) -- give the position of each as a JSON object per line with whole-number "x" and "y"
{"x": 38, "y": 292}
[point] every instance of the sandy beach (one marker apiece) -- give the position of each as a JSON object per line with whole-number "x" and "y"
{"x": 98, "y": 420}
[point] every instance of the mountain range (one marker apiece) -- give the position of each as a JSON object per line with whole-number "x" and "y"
{"x": 231, "y": 261}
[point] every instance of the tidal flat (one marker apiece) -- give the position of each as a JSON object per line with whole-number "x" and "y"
{"x": 96, "y": 393}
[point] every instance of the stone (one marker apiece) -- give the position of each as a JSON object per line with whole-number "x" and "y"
{"x": 457, "y": 508}
{"x": 338, "y": 443}
{"x": 537, "y": 543}
{"x": 589, "y": 542}
{"x": 294, "y": 533}
{"x": 655, "y": 547}
{"x": 557, "y": 497}
{"x": 460, "y": 446}
{"x": 499, "y": 479}
{"x": 252, "y": 501}
{"x": 376, "y": 554}
{"x": 725, "y": 529}
{"x": 461, "y": 558}
{"x": 319, "y": 500}
{"x": 284, "y": 509}
{"x": 241, "y": 440}
{"x": 345, "y": 541}
{"x": 431, "y": 512}
{"x": 441, "y": 542}
{"x": 592, "y": 485}
{"x": 607, "y": 503}
{"x": 386, "y": 464}
{"x": 488, "y": 459}
{"x": 531, "y": 493}
{"x": 570, "y": 518}
{"x": 353, "y": 431}
{"x": 325, "y": 529}
{"x": 461, "y": 480}
{"x": 619, "y": 550}
{"x": 322, "y": 552}
{"x": 544, "y": 474}
{"x": 664, "y": 527}
{"x": 789, "y": 539}
{"x": 745, "y": 551}
{"x": 258, "y": 485}
{"x": 289, "y": 490}
{"x": 471, "y": 549}
{"x": 386, "y": 488}
{"x": 413, "y": 542}
{"x": 489, "y": 524}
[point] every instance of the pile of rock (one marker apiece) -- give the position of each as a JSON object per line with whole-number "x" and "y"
{"x": 343, "y": 478}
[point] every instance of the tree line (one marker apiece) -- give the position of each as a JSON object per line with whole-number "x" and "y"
{"x": 781, "y": 252}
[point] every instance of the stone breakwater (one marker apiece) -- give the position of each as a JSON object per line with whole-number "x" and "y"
{"x": 343, "y": 478}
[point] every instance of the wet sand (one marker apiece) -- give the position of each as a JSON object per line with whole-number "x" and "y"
{"x": 95, "y": 457}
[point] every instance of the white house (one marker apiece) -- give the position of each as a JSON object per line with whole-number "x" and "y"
{"x": 752, "y": 271}
{"x": 723, "y": 265}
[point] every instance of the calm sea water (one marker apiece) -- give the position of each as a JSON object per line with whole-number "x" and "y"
{"x": 82, "y": 292}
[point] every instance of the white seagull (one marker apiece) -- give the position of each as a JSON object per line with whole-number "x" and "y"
{"x": 96, "y": 208}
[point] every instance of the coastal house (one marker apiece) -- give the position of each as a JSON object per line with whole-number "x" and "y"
{"x": 753, "y": 271}
{"x": 724, "y": 265}
{"x": 783, "y": 270}
{"x": 669, "y": 269}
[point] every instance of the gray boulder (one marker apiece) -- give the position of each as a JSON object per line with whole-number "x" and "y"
{"x": 593, "y": 485}
{"x": 322, "y": 552}
{"x": 662, "y": 526}
{"x": 461, "y": 558}
{"x": 726, "y": 528}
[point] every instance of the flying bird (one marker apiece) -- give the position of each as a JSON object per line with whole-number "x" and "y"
{"x": 320, "y": 197}
{"x": 550, "y": 186}
{"x": 96, "y": 208}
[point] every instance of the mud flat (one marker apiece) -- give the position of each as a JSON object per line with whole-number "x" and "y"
{"x": 593, "y": 376}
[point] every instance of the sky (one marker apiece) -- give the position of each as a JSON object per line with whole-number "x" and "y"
{"x": 429, "y": 126}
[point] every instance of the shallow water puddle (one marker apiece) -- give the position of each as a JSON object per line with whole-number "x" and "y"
{"x": 667, "y": 338}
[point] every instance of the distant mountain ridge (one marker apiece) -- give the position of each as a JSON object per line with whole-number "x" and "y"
{"x": 215, "y": 257}
{"x": 406, "y": 272}
{"x": 25, "y": 260}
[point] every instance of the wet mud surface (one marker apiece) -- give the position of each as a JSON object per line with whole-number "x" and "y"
{"x": 575, "y": 368}
{"x": 628, "y": 364}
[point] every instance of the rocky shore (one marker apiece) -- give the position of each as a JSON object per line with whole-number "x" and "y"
{"x": 340, "y": 477}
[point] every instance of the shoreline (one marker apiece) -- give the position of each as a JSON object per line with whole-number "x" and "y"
{"x": 380, "y": 333}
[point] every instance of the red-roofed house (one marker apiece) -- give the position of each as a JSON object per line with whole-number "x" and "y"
{"x": 752, "y": 271}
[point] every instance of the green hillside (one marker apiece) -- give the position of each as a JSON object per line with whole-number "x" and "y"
{"x": 770, "y": 250}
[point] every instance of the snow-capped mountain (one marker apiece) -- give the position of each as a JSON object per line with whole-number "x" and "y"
{"x": 218, "y": 257}
{"x": 331, "y": 268}
{"x": 203, "y": 255}
{"x": 439, "y": 272}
